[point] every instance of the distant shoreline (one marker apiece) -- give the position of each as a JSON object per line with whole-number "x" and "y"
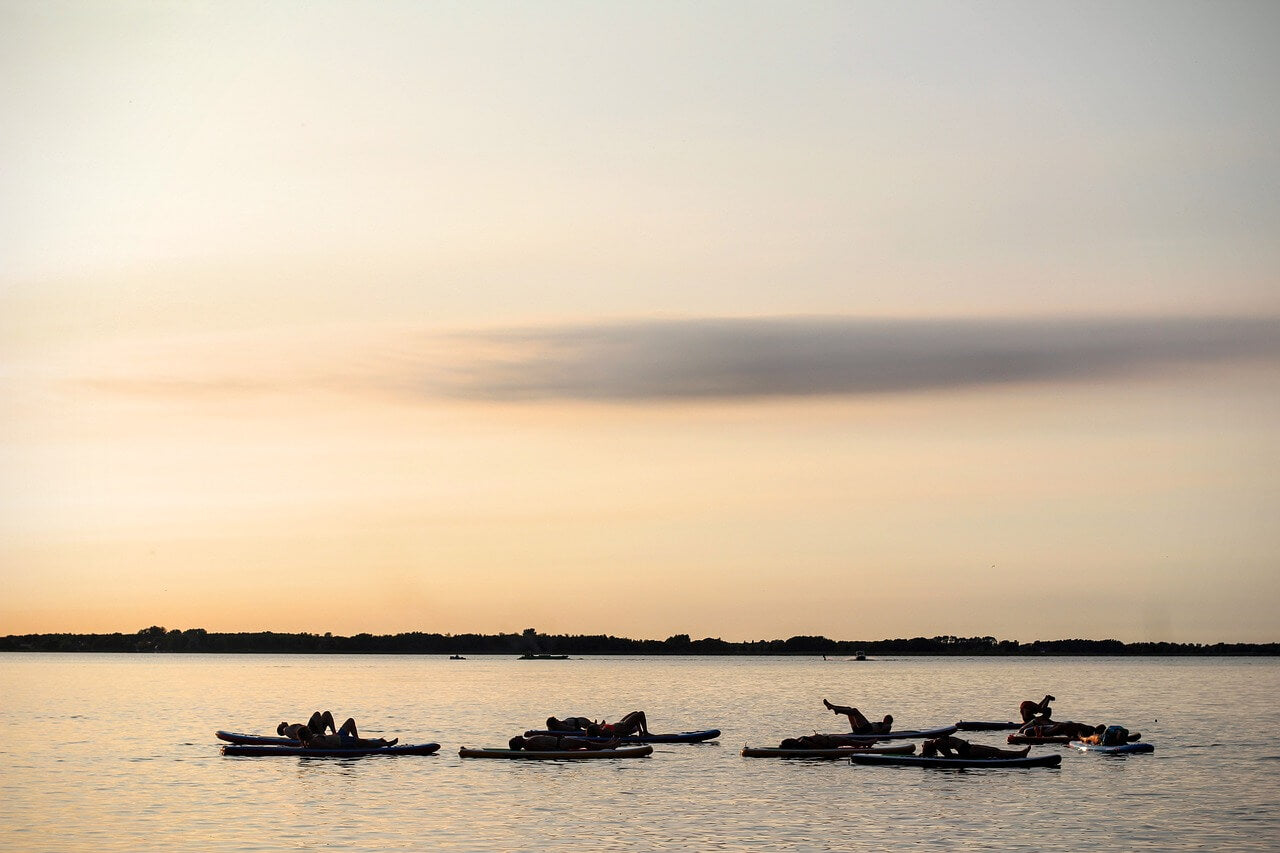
{"x": 198, "y": 640}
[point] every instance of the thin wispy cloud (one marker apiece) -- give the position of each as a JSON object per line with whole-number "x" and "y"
{"x": 798, "y": 357}
{"x": 697, "y": 359}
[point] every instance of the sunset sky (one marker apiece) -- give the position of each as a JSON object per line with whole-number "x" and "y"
{"x": 741, "y": 319}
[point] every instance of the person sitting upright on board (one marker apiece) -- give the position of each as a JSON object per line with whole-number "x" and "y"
{"x": 1029, "y": 710}
{"x": 316, "y": 725}
{"x": 557, "y": 743}
{"x": 631, "y": 723}
{"x": 1110, "y": 736}
{"x": 948, "y": 747}
{"x": 859, "y": 724}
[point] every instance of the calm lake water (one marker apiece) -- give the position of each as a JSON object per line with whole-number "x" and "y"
{"x": 116, "y": 752}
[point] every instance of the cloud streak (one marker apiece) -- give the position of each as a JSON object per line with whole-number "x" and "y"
{"x": 726, "y": 359}
{"x": 655, "y": 361}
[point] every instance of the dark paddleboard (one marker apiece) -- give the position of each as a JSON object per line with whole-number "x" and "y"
{"x": 979, "y": 726}
{"x": 261, "y": 750}
{"x": 902, "y": 735}
{"x": 679, "y": 737}
{"x": 256, "y": 740}
{"x": 1015, "y": 738}
{"x": 1052, "y": 760}
{"x": 1118, "y": 749}
{"x": 834, "y": 752}
{"x": 557, "y": 754}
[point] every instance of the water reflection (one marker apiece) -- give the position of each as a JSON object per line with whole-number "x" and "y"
{"x": 155, "y": 779}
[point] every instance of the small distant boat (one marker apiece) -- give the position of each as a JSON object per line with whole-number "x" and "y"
{"x": 456, "y": 657}
{"x": 543, "y": 657}
{"x": 859, "y": 655}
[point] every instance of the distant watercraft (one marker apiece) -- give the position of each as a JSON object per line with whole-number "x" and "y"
{"x": 543, "y": 657}
{"x": 456, "y": 657}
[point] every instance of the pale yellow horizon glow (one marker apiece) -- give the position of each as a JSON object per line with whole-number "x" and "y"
{"x": 862, "y": 320}
{"x": 289, "y": 506}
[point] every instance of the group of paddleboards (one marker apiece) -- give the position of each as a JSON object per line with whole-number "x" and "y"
{"x": 579, "y": 738}
{"x": 1038, "y": 727}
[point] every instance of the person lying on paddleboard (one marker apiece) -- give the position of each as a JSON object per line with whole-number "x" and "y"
{"x": 860, "y": 724}
{"x": 1030, "y": 710}
{"x": 1043, "y": 727}
{"x": 1110, "y": 736}
{"x": 634, "y": 722}
{"x": 316, "y": 725}
{"x": 949, "y": 747}
{"x": 631, "y": 723}
{"x": 569, "y": 724}
{"x": 557, "y": 743}
{"x": 819, "y": 741}
{"x": 345, "y": 737}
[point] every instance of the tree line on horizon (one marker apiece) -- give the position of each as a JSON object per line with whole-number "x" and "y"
{"x": 530, "y": 641}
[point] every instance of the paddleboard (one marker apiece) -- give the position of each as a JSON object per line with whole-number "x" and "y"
{"x": 902, "y": 735}
{"x": 980, "y": 726}
{"x": 679, "y": 737}
{"x": 1052, "y": 760}
{"x": 262, "y": 750}
{"x": 1037, "y": 739}
{"x": 835, "y": 752}
{"x": 259, "y": 740}
{"x": 1117, "y": 749}
{"x": 558, "y": 754}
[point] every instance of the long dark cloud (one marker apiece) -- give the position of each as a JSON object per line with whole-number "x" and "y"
{"x": 795, "y": 357}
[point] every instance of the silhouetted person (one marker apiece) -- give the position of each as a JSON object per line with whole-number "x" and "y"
{"x": 1029, "y": 709}
{"x": 557, "y": 743}
{"x": 949, "y": 747}
{"x": 631, "y": 723}
{"x": 859, "y": 724}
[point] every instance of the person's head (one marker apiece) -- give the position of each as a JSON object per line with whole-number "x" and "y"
{"x": 280, "y": 728}
{"x": 888, "y": 718}
{"x": 1099, "y": 729}
{"x": 928, "y": 748}
{"x": 594, "y": 730}
{"x": 305, "y": 735}
{"x": 790, "y": 743}
{"x": 516, "y": 743}
{"x": 553, "y": 723}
